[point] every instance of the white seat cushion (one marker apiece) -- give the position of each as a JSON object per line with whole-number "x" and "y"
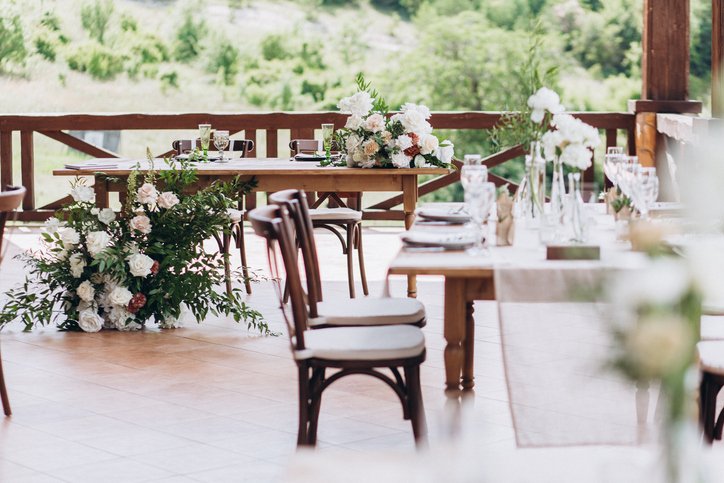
{"x": 369, "y": 311}
{"x": 321, "y": 214}
{"x": 711, "y": 356}
{"x": 363, "y": 343}
{"x": 710, "y": 307}
{"x": 712, "y": 327}
{"x": 235, "y": 215}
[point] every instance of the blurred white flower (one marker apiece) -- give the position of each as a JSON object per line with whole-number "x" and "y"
{"x": 353, "y": 122}
{"x": 85, "y": 291}
{"x": 576, "y": 156}
{"x": 89, "y": 320}
{"x": 96, "y": 242}
{"x": 375, "y": 123}
{"x": 370, "y": 147}
{"x": 401, "y": 160}
{"x": 664, "y": 281}
{"x": 167, "y": 200}
{"x": 52, "y": 225}
{"x": 404, "y": 142}
{"x": 147, "y": 194}
{"x": 140, "y": 265}
{"x": 544, "y": 100}
{"x": 659, "y": 345}
{"x": 106, "y": 215}
{"x": 120, "y": 296}
{"x": 83, "y": 194}
{"x": 77, "y": 264}
{"x": 420, "y": 161}
{"x": 141, "y": 223}
{"x": 445, "y": 151}
{"x": 69, "y": 237}
{"x": 428, "y": 144}
{"x": 359, "y": 104}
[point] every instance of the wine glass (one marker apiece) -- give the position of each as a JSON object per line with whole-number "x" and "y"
{"x": 647, "y": 188}
{"x": 221, "y": 141}
{"x": 625, "y": 173}
{"x": 472, "y": 160}
{"x": 611, "y": 162}
{"x": 479, "y": 198}
{"x": 473, "y": 174}
{"x": 327, "y": 134}
{"x": 205, "y": 137}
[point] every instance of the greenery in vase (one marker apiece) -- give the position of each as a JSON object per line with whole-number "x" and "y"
{"x": 98, "y": 269}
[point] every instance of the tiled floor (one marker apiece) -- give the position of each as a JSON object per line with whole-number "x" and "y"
{"x": 212, "y": 402}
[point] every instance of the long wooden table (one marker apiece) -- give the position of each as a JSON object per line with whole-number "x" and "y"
{"x": 275, "y": 174}
{"x": 470, "y": 278}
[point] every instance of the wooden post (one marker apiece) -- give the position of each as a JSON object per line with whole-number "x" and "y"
{"x": 27, "y": 169}
{"x": 6, "y": 159}
{"x": 717, "y": 58}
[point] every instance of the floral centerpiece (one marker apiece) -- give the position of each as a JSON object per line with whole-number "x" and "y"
{"x": 374, "y": 139}
{"x": 97, "y": 269}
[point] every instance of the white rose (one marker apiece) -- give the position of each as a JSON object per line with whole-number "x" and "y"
{"x": 77, "y": 264}
{"x": 141, "y": 223}
{"x": 353, "y": 123}
{"x": 86, "y": 292}
{"x": 106, "y": 215}
{"x": 83, "y": 194}
{"x": 120, "y": 296}
{"x": 89, "y": 320}
{"x": 95, "y": 211}
{"x": 69, "y": 237}
{"x": 401, "y": 160}
{"x": 96, "y": 242}
{"x": 445, "y": 151}
{"x": 375, "y": 123}
{"x": 414, "y": 121}
{"x": 140, "y": 265}
{"x": 147, "y": 194}
{"x": 428, "y": 144}
{"x": 167, "y": 200}
{"x": 52, "y": 225}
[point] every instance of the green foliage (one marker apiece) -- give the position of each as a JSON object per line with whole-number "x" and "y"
{"x": 45, "y": 47}
{"x": 274, "y": 47}
{"x": 189, "y": 36}
{"x": 95, "y": 18}
{"x": 99, "y": 61}
{"x": 701, "y": 39}
{"x": 128, "y": 23}
{"x": 224, "y": 61}
{"x": 12, "y": 41}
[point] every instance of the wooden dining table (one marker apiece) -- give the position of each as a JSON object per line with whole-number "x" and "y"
{"x": 470, "y": 278}
{"x": 271, "y": 174}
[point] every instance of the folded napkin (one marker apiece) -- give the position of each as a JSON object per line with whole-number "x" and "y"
{"x": 505, "y": 228}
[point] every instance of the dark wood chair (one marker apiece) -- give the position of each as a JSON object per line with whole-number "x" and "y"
{"x": 711, "y": 365}
{"x": 333, "y": 313}
{"x": 349, "y": 350}
{"x": 236, "y": 216}
{"x": 9, "y": 201}
{"x": 343, "y": 221}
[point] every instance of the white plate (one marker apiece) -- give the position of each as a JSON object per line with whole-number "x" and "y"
{"x": 452, "y": 215}
{"x": 447, "y": 241}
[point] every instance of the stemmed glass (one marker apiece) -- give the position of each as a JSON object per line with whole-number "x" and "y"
{"x": 221, "y": 141}
{"x": 205, "y": 137}
{"x": 646, "y": 187}
{"x": 479, "y": 197}
{"x": 327, "y": 134}
{"x": 472, "y": 160}
{"x": 611, "y": 163}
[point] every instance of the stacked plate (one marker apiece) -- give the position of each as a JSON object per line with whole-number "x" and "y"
{"x": 443, "y": 241}
{"x": 453, "y": 215}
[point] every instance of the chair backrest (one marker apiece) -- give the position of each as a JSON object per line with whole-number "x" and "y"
{"x": 9, "y": 202}
{"x": 295, "y": 201}
{"x": 242, "y": 146}
{"x": 272, "y": 222}
{"x": 305, "y": 146}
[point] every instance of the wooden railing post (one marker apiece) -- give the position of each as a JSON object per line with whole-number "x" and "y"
{"x": 27, "y": 168}
{"x": 717, "y": 58}
{"x": 6, "y": 158}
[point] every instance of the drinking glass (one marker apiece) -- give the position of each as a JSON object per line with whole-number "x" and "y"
{"x": 611, "y": 162}
{"x": 327, "y": 135}
{"x": 480, "y": 198}
{"x": 472, "y": 160}
{"x": 647, "y": 188}
{"x": 221, "y": 141}
{"x": 205, "y": 137}
{"x": 473, "y": 175}
{"x": 625, "y": 174}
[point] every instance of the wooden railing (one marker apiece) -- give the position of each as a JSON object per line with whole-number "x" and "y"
{"x": 299, "y": 124}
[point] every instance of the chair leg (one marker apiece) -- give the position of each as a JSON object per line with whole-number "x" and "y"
{"x": 303, "y": 431}
{"x": 361, "y": 259}
{"x": 709, "y": 390}
{"x": 350, "y": 258}
{"x": 315, "y": 406}
{"x": 414, "y": 401}
{"x": 227, "y": 262}
{"x": 242, "y": 251}
{"x": 4, "y": 392}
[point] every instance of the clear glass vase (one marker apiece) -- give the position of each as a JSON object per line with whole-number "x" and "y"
{"x": 558, "y": 193}
{"x": 530, "y": 198}
{"x": 577, "y": 209}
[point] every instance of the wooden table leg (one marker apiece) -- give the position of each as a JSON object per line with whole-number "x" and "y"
{"x": 409, "y": 203}
{"x": 469, "y": 344}
{"x": 454, "y": 332}
{"x": 100, "y": 185}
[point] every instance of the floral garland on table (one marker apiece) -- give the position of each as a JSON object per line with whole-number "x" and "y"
{"x": 101, "y": 270}
{"x": 373, "y": 139}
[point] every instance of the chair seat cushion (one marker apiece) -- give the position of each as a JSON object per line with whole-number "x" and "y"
{"x": 712, "y": 307}
{"x": 369, "y": 311}
{"x": 235, "y": 215}
{"x": 345, "y": 214}
{"x": 363, "y": 343}
{"x": 712, "y": 327}
{"x": 711, "y": 356}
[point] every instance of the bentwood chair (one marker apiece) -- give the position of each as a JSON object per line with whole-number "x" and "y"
{"x": 344, "y": 222}
{"x": 236, "y": 216}
{"x": 9, "y": 202}
{"x": 332, "y": 313}
{"x": 348, "y": 350}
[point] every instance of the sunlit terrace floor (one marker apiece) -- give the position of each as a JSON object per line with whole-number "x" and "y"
{"x": 213, "y": 402}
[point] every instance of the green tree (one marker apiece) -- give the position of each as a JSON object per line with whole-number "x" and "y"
{"x": 95, "y": 18}
{"x": 12, "y": 41}
{"x": 224, "y": 61}
{"x": 189, "y": 36}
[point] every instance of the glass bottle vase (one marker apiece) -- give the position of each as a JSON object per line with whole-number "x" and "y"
{"x": 558, "y": 193}
{"x": 530, "y": 197}
{"x": 577, "y": 209}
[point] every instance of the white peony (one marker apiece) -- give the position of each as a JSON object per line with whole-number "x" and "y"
{"x": 167, "y": 200}
{"x": 95, "y": 211}
{"x": 370, "y": 147}
{"x": 77, "y": 264}
{"x": 414, "y": 121}
{"x": 83, "y": 194}
{"x": 352, "y": 142}
{"x": 401, "y": 160}
{"x": 69, "y": 237}
{"x": 368, "y": 163}
{"x": 428, "y": 144}
{"x": 140, "y": 265}
{"x": 387, "y": 138}
{"x": 120, "y": 296}
{"x": 353, "y": 122}
{"x": 360, "y": 104}
{"x": 141, "y": 223}
{"x": 420, "y": 161}
{"x": 551, "y": 140}
{"x": 147, "y": 194}
{"x": 418, "y": 108}
{"x": 96, "y": 242}
{"x": 375, "y": 123}
{"x": 86, "y": 292}
{"x": 52, "y": 225}
{"x": 89, "y": 320}
{"x": 404, "y": 142}
{"x": 121, "y": 319}
{"x": 445, "y": 151}
{"x": 106, "y": 215}
{"x": 544, "y": 100}
{"x": 576, "y": 156}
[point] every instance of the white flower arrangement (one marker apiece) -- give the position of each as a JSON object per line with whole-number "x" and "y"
{"x": 572, "y": 142}
{"x": 372, "y": 139}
